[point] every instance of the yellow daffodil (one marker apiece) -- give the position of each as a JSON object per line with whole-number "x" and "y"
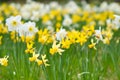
{"x": 30, "y": 48}
{"x": 34, "y": 57}
{"x": 56, "y": 48}
{"x": 92, "y": 45}
{"x": 66, "y": 43}
{"x": 44, "y": 60}
{"x": 4, "y": 61}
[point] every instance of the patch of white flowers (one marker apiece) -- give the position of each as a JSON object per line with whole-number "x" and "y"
{"x": 35, "y": 10}
{"x": 14, "y": 23}
{"x": 115, "y": 23}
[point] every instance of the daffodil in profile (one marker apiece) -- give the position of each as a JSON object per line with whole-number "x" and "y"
{"x": 34, "y": 57}
{"x": 44, "y": 60}
{"x": 92, "y": 45}
{"x": 56, "y": 49}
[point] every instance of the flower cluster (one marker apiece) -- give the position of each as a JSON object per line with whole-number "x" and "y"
{"x": 14, "y": 23}
{"x": 39, "y": 62}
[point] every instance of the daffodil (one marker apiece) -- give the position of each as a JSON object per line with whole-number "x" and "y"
{"x": 13, "y": 36}
{"x": 44, "y": 60}
{"x": 59, "y": 18}
{"x": 34, "y": 57}
{"x": 39, "y": 62}
{"x": 58, "y": 25}
{"x": 116, "y": 22}
{"x": 82, "y": 38}
{"x": 4, "y": 61}
{"x": 61, "y": 34}
{"x": 92, "y": 45}
{"x": 67, "y": 21}
{"x": 44, "y": 36}
{"x": 106, "y": 41}
{"x": 56, "y": 48}
{"x": 13, "y": 23}
{"x": 28, "y": 29}
{"x": 30, "y": 48}
{"x": 98, "y": 34}
{"x": 75, "y": 18}
{"x": 66, "y": 43}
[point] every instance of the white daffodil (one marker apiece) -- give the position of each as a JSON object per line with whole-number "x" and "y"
{"x": 54, "y": 4}
{"x": 103, "y": 6}
{"x": 61, "y": 34}
{"x": 115, "y": 7}
{"x": 13, "y": 23}
{"x": 98, "y": 34}
{"x": 28, "y": 29}
{"x": 67, "y": 21}
{"x": 109, "y": 23}
{"x": 116, "y": 22}
{"x": 71, "y": 7}
{"x": 35, "y": 16}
